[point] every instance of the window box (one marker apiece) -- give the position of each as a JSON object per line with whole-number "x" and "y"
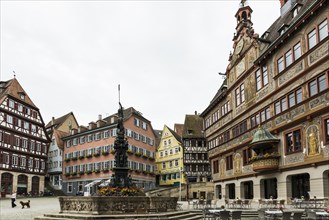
{"x": 105, "y": 170}
{"x": 81, "y": 172}
{"x": 67, "y": 160}
{"x": 112, "y": 151}
{"x": 137, "y": 171}
{"x": 67, "y": 174}
{"x": 96, "y": 171}
{"x": 81, "y": 157}
{"x": 151, "y": 158}
{"x": 138, "y": 154}
{"x": 74, "y": 173}
{"x": 89, "y": 156}
{"x": 96, "y": 154}
{"x": 129, "y": 152}
{"x": 145, "y": 156}
{"x": 88, "y": 172}
{"x": 105, "y": 153}
{"x": 74, "y": 158}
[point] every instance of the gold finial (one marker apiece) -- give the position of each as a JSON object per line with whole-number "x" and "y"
{"x": 243, "y": 3}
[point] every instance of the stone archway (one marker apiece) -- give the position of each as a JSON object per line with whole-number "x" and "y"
{"x": 22, "y": 184}
{"x": 35, "y": 185}
{"x": 6, "y": 184}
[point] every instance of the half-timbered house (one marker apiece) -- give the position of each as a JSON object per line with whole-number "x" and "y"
{"x": 23, "y": 141}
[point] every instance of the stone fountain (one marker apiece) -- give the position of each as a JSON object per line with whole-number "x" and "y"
{"x": 117, "y": 204}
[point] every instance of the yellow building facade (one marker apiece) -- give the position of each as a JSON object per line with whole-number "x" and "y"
{"x": 169, "y": 159}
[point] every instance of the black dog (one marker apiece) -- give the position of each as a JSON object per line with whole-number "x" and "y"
{"x": 27, "y": 204}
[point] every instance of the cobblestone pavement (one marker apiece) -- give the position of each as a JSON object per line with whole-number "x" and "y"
{"x": 39, "y": 206}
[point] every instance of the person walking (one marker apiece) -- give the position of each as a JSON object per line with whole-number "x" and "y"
{"x": 13, "y": 199}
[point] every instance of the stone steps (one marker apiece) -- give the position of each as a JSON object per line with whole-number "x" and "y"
{"x": 177, "y": 215}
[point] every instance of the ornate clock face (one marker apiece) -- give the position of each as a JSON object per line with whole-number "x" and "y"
{"x": 239, "y": 47}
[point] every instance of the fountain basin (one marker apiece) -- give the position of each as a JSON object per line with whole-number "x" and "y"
{"x": 102, "y": 205}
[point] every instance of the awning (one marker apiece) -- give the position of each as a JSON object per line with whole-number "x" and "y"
{"x": 92, "y": 183}
{"x": 105, "y": 183}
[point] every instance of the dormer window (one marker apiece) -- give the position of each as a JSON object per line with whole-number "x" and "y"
{"x": 265, "y": 35}
{"x": 296, "y": 9}
{"x": 21, "y": 95}
{"x": 283, "y": 29}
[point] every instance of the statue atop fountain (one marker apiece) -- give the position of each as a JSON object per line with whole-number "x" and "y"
{"x": 120, "y": 176}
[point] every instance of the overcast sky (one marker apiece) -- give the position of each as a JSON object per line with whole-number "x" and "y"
{"x": 71, "y": 55}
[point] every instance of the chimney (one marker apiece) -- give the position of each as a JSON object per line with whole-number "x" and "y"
{"x": 282, "y": 2}
{"x": 195, "y": 112}
{"x": 286, "y": 5}
{"x": 52, "y": 120}
{"x": 99, "y": 117}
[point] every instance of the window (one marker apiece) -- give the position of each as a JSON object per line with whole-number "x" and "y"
{"x": 326, "y": 131}
{"x": 82, "y": 140}
{"x": 14, "y": 160}
{"x": 288, "y": 101}
{"x": 318, "y": 85}
{"x": 293, "y": 141}
{"x": 11, "y": 104}
{"x": 239, "y": 129}
{"x": 280, "y": 64}
{"x": 311, "y": 39}
{"x": 239, "y": 95}
{"x": 164, "y": 165}
{"x": 295, "y": 97}
{"x": 289, "y": 57}
{"x": 247, "y": 154}
{"x": 323, "y": 30}
{"x": 261, "y": 77}
{"x": 297, "y": 51}
{"x": 69, "y": 187}
{"x": 216, "y": 166}
{"x": 9, "y": 119}
{"x": 260, "y": 117}
{"x": 136, "y": 122}
{"x": 317, "y": 34}
{"x": 280, "y": 105}
{"x": 226, "y": 108}
{"x": 229, "y": 162}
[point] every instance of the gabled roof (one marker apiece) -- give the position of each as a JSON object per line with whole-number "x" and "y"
{"x": 217, "y": 98}
{"x": 14, "y": 89}
{"x": 58, "y": 135}
{"x": 287, "y": 19}
{"x": 179, "y": 129}
{"x": 58, "y": 121}
{"x": 127, "y": 113}
{"x": 193, "y": 127}
{"x": 176, "y": 136}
